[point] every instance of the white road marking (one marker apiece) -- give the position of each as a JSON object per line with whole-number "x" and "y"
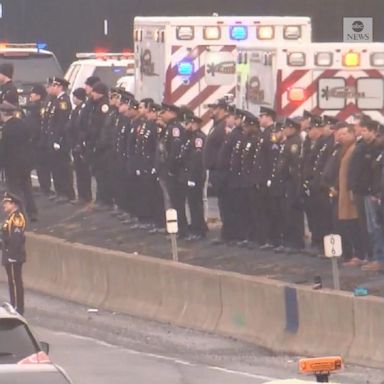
{"x": 171, "y": 359}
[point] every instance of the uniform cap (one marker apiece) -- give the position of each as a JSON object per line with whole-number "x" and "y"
{"x": 220, "y": 103}
{"x": 58, "y": 81}
{"x": 195, "y": 119}
{"x": 307, "y": 114}
{"x": 92, "y": 80}
{"x": 100, "y": 88}
{"x": 185, "y": 114}
{"x": 316, "y": 121}
{"x": 126, "y": 97}
{"x": 6, "y": 69}
{"x": 267, "y": 111}
{"x": 330, "y": 120}
{"x": 117, "y": 91}
{"x": 170, "y": 107}
{"x": 11, "y": 198}
{"x": 39, "y": 90}
{"x": 133, "y": 104}
{"x": 155, "y": 108}
{"x": 80, "y": 94}
{"x": 290, "y": 123}
{"x": 250, "y": 118}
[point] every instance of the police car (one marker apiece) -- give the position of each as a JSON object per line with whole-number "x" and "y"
{"x": 109, "y": 67}
{"x": 33, "y": 64}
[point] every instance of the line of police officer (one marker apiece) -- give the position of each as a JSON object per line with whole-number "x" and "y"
{"x": 147, "y": 157}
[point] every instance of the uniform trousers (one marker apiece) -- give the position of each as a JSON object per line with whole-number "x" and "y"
{"x": 62, "y": 174}
{"x": 83, "y": 177}
{"x": 16, "y": 287}
{"x": 19, "y": 182}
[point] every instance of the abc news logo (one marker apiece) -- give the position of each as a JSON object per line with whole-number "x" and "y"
{"x": 358, "y": 29}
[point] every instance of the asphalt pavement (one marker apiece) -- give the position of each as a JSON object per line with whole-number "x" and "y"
{"x": 104, "y": 347}
{"x": 83, "y": 224}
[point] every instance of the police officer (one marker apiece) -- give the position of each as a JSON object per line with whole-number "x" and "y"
{"x": 193, "y": 174}
{"x": 120, "y": 177}
{"x": 16, "y": 156}
{"x": 144, "y": 160}
{"x": 289, "y": 169}
{"x": 217, "y": 177}
{"x": 33, "y": 113}
{"x": 247, "y": 209}
{"x": 13, "y": 247}
{"x": 78, "y": 144}
{"x": 174, "y": 137}
{"x": 267, "y": 117}
{"x": 8, "y": 91}
{"x": 55, "y": 120}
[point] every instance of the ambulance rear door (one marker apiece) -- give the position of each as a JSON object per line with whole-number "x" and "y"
{"x": 256, "y": 73}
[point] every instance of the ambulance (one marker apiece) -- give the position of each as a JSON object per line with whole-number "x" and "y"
{"x": 337, "y": 79}
{"x": 192, "y": 60}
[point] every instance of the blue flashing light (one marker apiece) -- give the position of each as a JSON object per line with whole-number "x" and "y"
{"x": 238, "y": 32}
{"x": 185, "y": 68}
{"x": 41, "y": 45}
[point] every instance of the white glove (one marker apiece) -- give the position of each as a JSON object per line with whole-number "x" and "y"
{"x": 56, "y": 146}
{"x": 153, "y": 171}
{"x": 138, "y": 173}
{"x": 191, "y": 183}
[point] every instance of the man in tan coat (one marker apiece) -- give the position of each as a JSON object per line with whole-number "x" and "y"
{"x": 347, "y": 214}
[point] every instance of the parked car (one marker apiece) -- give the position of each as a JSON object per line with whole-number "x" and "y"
{"x": 33, "y": 64}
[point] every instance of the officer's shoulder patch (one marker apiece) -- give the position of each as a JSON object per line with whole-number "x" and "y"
{"x": 63, "y": 105}
{"x": 199, "y": 142}
{"x": 175, "y": 132}
{"x": 18, "y": 221}
{"x": 294, "y": 148}
{"x": 105, "y": 108}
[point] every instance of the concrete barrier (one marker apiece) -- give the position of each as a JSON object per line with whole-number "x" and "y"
{"x": 282, "y": 317}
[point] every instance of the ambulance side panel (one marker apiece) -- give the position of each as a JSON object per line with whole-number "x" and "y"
{"x": 150, "y": 58}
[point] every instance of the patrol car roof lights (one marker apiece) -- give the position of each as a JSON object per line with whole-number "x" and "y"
{"x": 321, "y": 367}
{"x": 40, "y": 45}
{"x": 323, "y": 59}
{"x": 296, "y": 59}
{"x": 265, "y": 32}
{"x": 238, "y": 32}
{"x": 351, "y": 59}
{"x": 377, "y": 59}
{"x": 296, "y": 94}
{"x": 185, "y": 68}
{"x": 292, "y": 32}
{"x": 212, "y": 33}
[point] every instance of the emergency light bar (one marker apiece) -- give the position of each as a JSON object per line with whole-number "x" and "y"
{"x": 265, "y": 32}
{"x": 23, "y": 46}
{"x": 323, "y": 59}
{"x": 104, "y": 55}
{"x": 351, "y": 59}
{"x": 238, "y": 32}
{"x": 296, "y": 94}
{"x": 212, "y": 33}
{"x": 377, "y": 59}
{"x": 185, "y": 68}
{"x": 292, "y": 32}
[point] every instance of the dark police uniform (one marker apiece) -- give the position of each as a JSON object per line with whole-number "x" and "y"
{"x": 192, "y": 175}
{"x": 289, "y": 169}
{"x": 99, "y": 145}
{"x": 8, "y": 93}
{"x": 174, "y": 138}
{"x": 14, "y": 253}
{"x": 144, "y": 153}
{"x": 77, "y": 138}
{"x": 16, "y": 154}
{"x": 55, "y": 120}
